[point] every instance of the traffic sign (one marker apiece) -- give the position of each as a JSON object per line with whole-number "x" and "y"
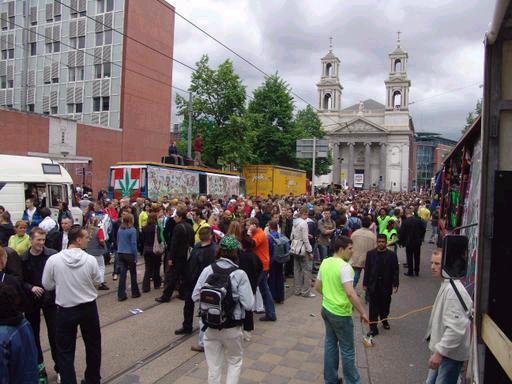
{"x": 305, "y": 148}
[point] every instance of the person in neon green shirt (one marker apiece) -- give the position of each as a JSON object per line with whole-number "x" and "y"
{"x": 382, "y": 220}
{"x": 20, "y": 242}
{"x": 143, "y": 217}
{"x": 391, "y": 236}
{"x": 334, "y": 283}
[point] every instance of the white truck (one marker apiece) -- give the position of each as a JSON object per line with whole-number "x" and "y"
{"x": 48, "y": 182}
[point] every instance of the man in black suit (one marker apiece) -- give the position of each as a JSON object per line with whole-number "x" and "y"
{"x": 380, "y": 279}
{"x": 411, "y": 236}
{"x": 61, "y": 241}
{"x": 176, "y": 257}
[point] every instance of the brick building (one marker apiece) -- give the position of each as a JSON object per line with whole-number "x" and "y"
{"x": 74, "y": 89}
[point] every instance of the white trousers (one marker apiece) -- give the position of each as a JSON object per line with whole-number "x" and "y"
{"x": 101, "y": 265}
{"x": 217, "y": 344}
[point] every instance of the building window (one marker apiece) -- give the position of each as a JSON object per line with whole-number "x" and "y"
{"x": 105, "y": 6}
{"x": 101, "y": 104}
{"x": 76, "y": 73}
{"x": 4, "y": 54}
{"x": 33, "y": 49}
{"x": 10, "y": 83}
{"x": 103, "y": 38}
{"x": 46, "y": 113}
{"x": 63, "y": 137}
{"x": 77, "y": 42}
{"x": 12, "y": 22}
{"x": 3, "y": 82}
{"x": 31, "y": 107}
{"x": 4, "y": 24}
{"x": 11, "y": 53}
{"x": 102, "y": 70}
{"x": 54, "y": 110}
{"x": 56, "y": 18}
{"x": 55, "y": 79}
{"x": 53, "y": 47}
{"x": 75, "y": 108}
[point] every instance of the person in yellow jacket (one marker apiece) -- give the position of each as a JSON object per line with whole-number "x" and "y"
{"x": 143, "y": 217}
{"x": 20, "y": 242}
{"x": 199, "y": 222}
{"x": 391, "y": 236}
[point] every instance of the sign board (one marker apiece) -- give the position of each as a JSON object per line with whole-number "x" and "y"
{"x": 79, "y": 171}
{"x": 358, "y": 180}
{"x": 305, "y": 148}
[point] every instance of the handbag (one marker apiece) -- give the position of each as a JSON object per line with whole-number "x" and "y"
{"x": 158, "y": 248}
{"x": 297, "y": 248}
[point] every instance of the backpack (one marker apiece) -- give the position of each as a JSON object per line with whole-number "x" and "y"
{"x": 216, "y": 303}
{"x": 354, "y": 223}
{"x": 280, "y": 249}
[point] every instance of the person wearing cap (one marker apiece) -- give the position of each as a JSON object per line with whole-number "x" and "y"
{"x": 228, "y": 340}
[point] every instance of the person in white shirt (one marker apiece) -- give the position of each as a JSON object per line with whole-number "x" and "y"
{"x": 302, "y": 254}
{"x": 74, "y": 274}
{"x": 449, "y": 329}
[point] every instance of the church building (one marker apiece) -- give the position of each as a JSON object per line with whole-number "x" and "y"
{"x": 372, "y": 143}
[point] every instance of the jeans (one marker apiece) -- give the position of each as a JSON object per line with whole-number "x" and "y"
{"x": 435, "y": 231}
{"x": 447, "y": 373}
{"x": 127, "y": 263}
{"x": 116, "y": 270}
{"x": 339, "y": 337}
{"x": 276, "y": 281}
{"x": 34, "y": 318}
{"x": 68, "y": 319}
{"x": 357, "y": 276}
{"x": 324, "y": 251}
{"x": 268, "y": 300}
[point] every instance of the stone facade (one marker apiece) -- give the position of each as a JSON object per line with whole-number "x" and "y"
{"x": 371, "y": 142}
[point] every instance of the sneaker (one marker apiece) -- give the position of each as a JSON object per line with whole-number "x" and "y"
{"x": 114, "y": 277}
{"x": 373, "y": 333}
{"x": 310, "y": 294}
{"x": 103, "y": 287}
{"x": 197, "y": 348}
{"x": 385, "y": 325}
{"x": 183, "y": 331}
{"x": 247, "y": 335}
{"x": 58, "y": 378}
{"x": 162, "y": 299}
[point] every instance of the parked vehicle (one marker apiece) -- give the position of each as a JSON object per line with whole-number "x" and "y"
{"x": 44, "y": 180}
{"x": 266, "y": 180}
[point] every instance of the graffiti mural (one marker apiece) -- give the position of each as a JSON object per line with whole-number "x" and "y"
{"x": 171, "y": 182}
{"x": 220, "y": 185}
{"x": 471, "y": 209}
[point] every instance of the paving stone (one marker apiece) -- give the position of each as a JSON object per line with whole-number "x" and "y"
{"x": 274, "y": 379}
{"x": 306, "y": 375}
{"x": 262, "y": 366}
{"x": 270, "y": 358}
{"x": 284, "y": 371}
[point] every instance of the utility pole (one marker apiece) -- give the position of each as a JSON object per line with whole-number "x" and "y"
{"x": 189, "y": 131}
{"x": 313, "y": 167}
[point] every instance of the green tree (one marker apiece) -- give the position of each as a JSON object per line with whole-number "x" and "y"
{"x": 472, "y": 116}
{"x": 272, "y": 127}
{"x": 218, "y": 109}
{"x": 309, "y": 125}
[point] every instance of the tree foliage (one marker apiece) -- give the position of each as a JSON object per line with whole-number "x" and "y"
{"x": 473, "y": 115}
{"x": 264, "y": 132}
{"x": 218, "y": 104}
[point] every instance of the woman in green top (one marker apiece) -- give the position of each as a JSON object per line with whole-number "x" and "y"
{"x": 20, "y": 242}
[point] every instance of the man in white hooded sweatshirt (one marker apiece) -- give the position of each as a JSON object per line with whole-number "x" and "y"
{"x": 74, "y": 274}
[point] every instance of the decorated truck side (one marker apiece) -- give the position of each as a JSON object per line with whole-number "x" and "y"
{"x": 155, "y": 180}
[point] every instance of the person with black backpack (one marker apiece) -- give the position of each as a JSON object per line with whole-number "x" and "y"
{"x": 279, "y": 246}
{"x": 224, "y": 293}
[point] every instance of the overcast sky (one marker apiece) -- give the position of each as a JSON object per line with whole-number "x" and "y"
{"x": 444, "y": 39}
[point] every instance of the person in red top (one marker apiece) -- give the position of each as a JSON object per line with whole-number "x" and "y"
{"x": 198, "y": 148}
{"x": 262, "y": 250}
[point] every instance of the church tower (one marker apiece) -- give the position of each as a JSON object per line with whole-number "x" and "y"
{"x": 397, "y": 85}
{"x": 329, "y": 87}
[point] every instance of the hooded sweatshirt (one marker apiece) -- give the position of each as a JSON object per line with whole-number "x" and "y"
{"x": 73, "y": 274}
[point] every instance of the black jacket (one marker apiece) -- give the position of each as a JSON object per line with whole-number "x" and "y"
{"x": 200, "y": 257}
{"x": 14, "y": 265}
{"x": 147, "y": 237}
{"x": 33, "y": 267}
{"x": 8, "y": 279}
{"x": 381, "y": 271}
{"x": 286, "y": 226}
{"x": 251, "y": 264}
{"x": 6, "y": 231}
{"x": 411, "y": 232}
{"x": 182, "y": 239}
{"x": 168, "y": 229}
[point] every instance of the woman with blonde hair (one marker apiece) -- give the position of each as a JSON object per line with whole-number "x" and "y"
{"x": 127, "y": 253}
{"x": 235, "y": 230}
{"x": 20, "y": 241}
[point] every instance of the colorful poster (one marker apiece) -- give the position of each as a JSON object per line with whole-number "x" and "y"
{"x": 171, "y": 182}
{"x": 126, "y": 182}
{"x": 220, "y": 185}
{"x": 470, "y": 216}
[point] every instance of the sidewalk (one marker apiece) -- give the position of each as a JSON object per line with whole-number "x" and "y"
{"x": 291, "y": 349}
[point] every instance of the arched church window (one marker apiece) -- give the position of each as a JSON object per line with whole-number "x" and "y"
{"x": 397, "y": 99}
{"x": 328, "y": 69}
{"x": 327, "y": 101}
{"x": 398, "y": 65}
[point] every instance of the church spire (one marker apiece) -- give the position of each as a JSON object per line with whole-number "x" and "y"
{"x": 329, "y": 87}
{"x": 397, "y": 85}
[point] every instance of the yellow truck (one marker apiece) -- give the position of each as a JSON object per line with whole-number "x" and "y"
{"x": 263, "y": 180}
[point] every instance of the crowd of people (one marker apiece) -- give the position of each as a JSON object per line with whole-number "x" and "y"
{"x": 237, "y": 250}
